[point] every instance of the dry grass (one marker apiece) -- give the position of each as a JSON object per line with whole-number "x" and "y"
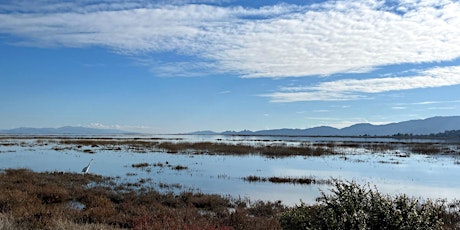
{"x": 143, "y": 145}
{"x": 278, "y": 150}
{"x": 275, "y": 149}
{"x": 140, "y": 165}
{"x": 290, "y": 180}
{"x": 425, "y": 148}
{"x": 30, "y": 200}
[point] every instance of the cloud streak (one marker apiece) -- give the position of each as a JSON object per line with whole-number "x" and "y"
{"x": 273, "y": 41}
{"x": 135, "y": 128}
{"x": 353, "y": 89}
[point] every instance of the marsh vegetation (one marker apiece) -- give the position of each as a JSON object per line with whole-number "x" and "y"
{"x": 56, "y": 200}
{"x": 156, "y": 183}
{"x": 264, "y": 147}
{"x": 53, "y": 200}
{"x": 292, "y": 180}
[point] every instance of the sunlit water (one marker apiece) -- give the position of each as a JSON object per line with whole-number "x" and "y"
{"x": 418, "y": 175}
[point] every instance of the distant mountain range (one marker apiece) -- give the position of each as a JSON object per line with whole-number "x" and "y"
{"x": 69, "y": 130}
{"x": 416, "y": 127}
{"x": 427, "y": 126}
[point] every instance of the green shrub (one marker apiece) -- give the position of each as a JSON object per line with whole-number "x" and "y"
{"x": 351, "y": 206}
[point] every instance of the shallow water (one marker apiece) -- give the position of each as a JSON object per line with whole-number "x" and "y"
{"x": 423, "y": 176}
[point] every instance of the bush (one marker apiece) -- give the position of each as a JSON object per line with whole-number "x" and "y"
{"x": 351, "y": 206}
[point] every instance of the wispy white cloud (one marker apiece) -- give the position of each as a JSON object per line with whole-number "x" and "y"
{"x": 426, "y": 103}
{"x": 436, "y": 77}
{"x": 135, "y": 128}
{"x": 224, "y": 92}
{"x": 321, "y": 111}
{"x": 436, "y": 102}
{"x": 274, "y": 41}
{"x": 352, "y": 89}
{"x": 312, "y": 96}
{"x": 179, "y": 68}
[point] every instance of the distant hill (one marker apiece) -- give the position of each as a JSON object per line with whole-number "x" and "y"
{"x": 206, "y": 132}
{"x": 69, "y": 130}
{"x": 416, "y": 127}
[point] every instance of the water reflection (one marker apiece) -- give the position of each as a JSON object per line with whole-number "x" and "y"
{"x": 418, "y": 175}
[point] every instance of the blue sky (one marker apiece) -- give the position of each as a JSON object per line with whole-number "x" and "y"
{"x": 180, "y": 66}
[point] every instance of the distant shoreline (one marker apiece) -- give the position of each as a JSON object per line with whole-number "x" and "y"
{"x": 434, "y": 137}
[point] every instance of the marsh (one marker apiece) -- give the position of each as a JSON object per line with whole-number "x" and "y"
{"x": 219, "y": 164}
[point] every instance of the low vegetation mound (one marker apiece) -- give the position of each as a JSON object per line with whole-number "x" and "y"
{"x": 351, "y": 206}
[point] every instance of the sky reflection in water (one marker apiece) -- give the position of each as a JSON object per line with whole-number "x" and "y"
{"x": 418, "y": 175}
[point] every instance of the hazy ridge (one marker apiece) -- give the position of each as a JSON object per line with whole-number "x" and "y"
{"x": 416, "y": 127}
{"x": 72, "y": 130}
{"x": 426, "y": 126}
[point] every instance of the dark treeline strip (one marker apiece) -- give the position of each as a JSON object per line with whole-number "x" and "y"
{"x": 452, "y": 135}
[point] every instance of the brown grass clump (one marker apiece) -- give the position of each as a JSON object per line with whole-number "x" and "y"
{"x": 291, "y": 180}
{"x": 425, "y": 148}
{"x": 180, "y": 167}
{"x": 55, "y": 200}
{"x": 140, "y": 165}
{"x": 37, "y": 201}
{"x": 278, "y": 150}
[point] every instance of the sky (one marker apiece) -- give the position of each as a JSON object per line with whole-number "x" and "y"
{"x": 188, "y": 65}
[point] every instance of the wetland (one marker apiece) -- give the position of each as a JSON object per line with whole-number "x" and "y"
{"x": 276, "y": 171}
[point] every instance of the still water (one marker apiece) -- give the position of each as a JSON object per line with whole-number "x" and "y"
{"x": 421, "y": 176}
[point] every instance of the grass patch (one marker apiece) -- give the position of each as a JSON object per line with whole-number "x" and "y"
{"x": 269, "y": 148}
{"x": 425, "y": 148}
{"x": 160, "y": 165}
{"x": 89, "y": 151}
{"x": 30, "y": 200}
{"x": 389, "y": 162}
{"x": 277, "y": 150}
{"x": 179, "y": 167}
{"x": 290, "y": 180}
{"x": 143, "y": 145}
{"x": 140, "y": 165}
